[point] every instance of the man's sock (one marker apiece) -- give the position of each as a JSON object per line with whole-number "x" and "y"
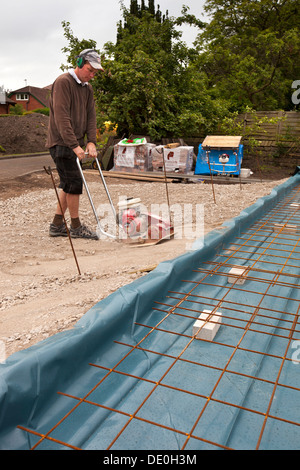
{"x": 58, "y": 220}
{"x": 75, "y": 223}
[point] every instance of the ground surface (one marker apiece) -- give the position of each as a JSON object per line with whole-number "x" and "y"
{"x": 23, "y": 134}
{"x": 42, "y": 292}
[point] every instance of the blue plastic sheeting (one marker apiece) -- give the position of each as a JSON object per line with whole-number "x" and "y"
{"x": 215, "y": 167}
{"x": 79, "y": 362}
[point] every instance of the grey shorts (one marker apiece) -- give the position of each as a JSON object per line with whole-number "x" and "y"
{"x": 67, "y": 169}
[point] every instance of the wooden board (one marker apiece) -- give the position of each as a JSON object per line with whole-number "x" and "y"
{"x": 149, "y": 242}
{"x": 221, "y": 141}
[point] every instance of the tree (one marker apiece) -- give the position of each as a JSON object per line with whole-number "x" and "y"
{"x": 250, "y": 51}
{"x": 153, "y": 84}
{"x": 150, "y": 87}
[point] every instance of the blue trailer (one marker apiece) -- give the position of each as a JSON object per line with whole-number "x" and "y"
{"x": 220, "y": 155}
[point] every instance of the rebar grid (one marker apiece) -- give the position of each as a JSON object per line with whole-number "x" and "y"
{"x": 259, "y": 318}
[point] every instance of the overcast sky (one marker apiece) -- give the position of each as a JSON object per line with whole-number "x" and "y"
{"x": 32, "y": 34}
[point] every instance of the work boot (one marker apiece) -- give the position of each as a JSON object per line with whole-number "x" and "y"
{"x": 83, "y": 232}
{"x": 55, "y": 231}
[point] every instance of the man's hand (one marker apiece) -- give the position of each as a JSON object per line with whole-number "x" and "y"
{"x": 91, "y": 149}
{"x": 79, "y": 152}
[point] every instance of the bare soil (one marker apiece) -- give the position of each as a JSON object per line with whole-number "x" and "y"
{"x": 42, "y": 292}
{"x": 23, "y": 134}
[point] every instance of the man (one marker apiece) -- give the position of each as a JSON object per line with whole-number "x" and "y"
{"x": 72, "y": 120}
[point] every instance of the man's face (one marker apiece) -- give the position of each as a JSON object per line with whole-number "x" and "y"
{"x": 86, "y": 73}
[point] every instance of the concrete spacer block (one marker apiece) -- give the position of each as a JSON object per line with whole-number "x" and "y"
{"x": 208, "y": 328}
{"x": 234, "y": 274}
{"x": 286, "y": 228}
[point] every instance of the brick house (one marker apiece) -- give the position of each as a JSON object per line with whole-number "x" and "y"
{"x": 5, "y": 104}
{"x": 31, "y": 97}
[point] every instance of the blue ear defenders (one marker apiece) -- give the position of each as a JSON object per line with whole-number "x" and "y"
{"x": 81, "y": 58}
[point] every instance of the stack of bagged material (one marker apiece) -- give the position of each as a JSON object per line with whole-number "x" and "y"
{"x": 133, "y": 155}
{"x": 157, "y": 158}
{"x": 178, "y": 159}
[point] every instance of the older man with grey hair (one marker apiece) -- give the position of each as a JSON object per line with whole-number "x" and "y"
{"x": 72, "y": 125}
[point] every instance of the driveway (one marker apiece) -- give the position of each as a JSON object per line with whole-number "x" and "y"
{"x": 12, "y": 167}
